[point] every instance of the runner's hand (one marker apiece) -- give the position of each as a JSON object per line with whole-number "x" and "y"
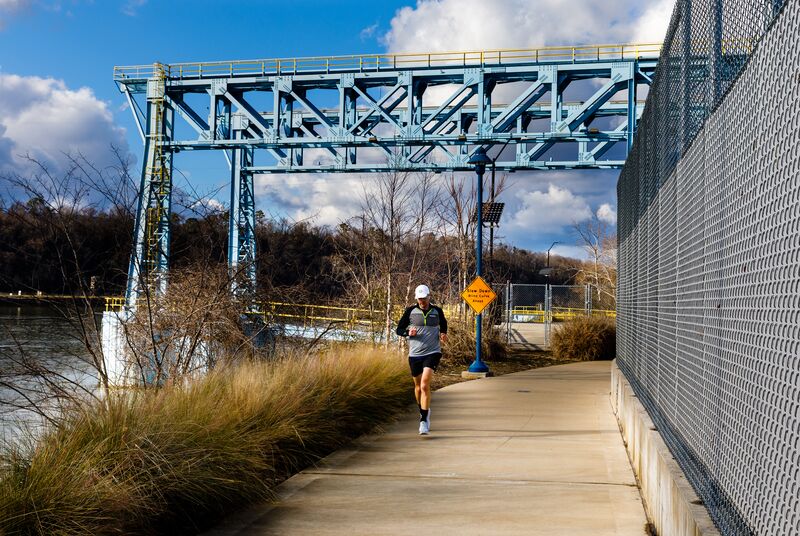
{"x": 443, "y": 337}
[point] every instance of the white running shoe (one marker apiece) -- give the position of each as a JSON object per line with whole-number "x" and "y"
{"x": 423, "y": 428}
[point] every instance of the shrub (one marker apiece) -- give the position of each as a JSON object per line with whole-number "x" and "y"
{"x": 172, "y": 460}
{"x": 195, "y": 326}
{"x": 585, "y": 339}
{"x": 460, "y": 344}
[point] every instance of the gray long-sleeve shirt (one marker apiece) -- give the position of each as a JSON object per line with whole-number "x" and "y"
{"x": 430, "y": 324}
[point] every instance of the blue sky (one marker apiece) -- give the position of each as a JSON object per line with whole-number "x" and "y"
{"x": 57, "y": 93}
{"x": 81, "y": 41}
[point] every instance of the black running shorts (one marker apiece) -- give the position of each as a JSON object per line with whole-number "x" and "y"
{"x": 419, "y": 363}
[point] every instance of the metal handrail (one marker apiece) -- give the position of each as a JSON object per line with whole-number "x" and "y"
{"x": 384, "y": 62}
{"x": 537, "y": 314}
{"x": 115, "y": 303}
{"x": 354, "y": 315}
{"x": 287, "y": 310}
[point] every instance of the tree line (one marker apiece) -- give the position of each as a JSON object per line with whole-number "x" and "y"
{"x": 300, "y": 259}
{"x": 74, "y": 230}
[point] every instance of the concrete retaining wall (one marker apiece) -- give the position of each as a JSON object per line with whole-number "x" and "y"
{"x": 671, "y": 503}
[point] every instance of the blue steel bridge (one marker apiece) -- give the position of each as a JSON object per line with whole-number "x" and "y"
{"x": 357, "y": 114}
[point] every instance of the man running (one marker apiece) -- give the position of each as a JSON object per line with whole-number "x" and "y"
{"x": 426, "y": 327}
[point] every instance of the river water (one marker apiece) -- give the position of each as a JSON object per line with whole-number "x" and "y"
{"x": 36, "y": 335}
{"x": 43, "y": 335}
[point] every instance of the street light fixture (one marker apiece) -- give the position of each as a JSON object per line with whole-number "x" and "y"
{"x": 479, "y": 159}
{"x": 498, "y": 207}
{"x": 548, "y": 252}
{"x": 547, "y": 270}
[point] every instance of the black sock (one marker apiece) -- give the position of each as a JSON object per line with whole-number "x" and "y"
{"x": 423, "y": 414}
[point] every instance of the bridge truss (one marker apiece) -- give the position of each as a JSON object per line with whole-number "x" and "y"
{"x": 373, "y": 113}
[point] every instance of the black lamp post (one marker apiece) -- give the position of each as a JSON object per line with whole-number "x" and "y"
{"x": 548, "y": 253}
{"x": 546, "y": 270}
{"x": 479, "y": 160}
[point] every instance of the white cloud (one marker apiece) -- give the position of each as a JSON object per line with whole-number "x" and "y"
{"x": 368, "y": 32}
{"x": 652, "y": 26}
{"x": 11, "y": 7}
{"x": 446, "y": 25}
{"x": 550, "y": 211}
{"x": 131, "y": 7}
{"x": 321, "y": 198}
{"x": 208, "y": 205}
{"x": 573, "y": 252}
{"x": 44, "y": 118}
{"x": 607, "y": 213}
{"x": 216, "y": 206}
{"x": 540, "y": 206}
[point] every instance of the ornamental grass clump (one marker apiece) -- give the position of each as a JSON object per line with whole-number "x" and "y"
{"x": 174, "y": 460}
{"x": 585, "y": 339}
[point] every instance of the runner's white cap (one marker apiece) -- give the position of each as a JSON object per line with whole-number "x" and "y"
{"x": 422, "y": 291}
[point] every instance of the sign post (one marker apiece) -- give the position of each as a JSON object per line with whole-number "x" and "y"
{"x": 479, "y": 159}
{"x": 478, "y": 295}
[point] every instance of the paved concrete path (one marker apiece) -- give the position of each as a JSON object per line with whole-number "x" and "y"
{"x": 526, "y": 335}
{"x": 533, "y": 453}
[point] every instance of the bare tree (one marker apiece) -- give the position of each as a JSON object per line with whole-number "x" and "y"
{"x": 600, "y": 241}
{"x": 167, "y": 336}
{"x": 353, "y": 263}
{"x": 388, "y": 209}
{"x": 56, "y": 200}
{"x": 113, "y": 186}
{"x": 196, "y": 326}
{"x": 428, "y": 197}
{"x": 455, "y": 210}
{"x": 458, "y": 210}
{"x": 382, "y": 251}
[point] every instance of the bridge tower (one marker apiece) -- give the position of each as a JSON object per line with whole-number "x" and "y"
{"x": 150, "y": 258}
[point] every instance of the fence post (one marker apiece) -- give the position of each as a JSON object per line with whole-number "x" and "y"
{"x": 508, "y": 312}
{"x": 548, "y": 314}
{"x": 588, "y": 300}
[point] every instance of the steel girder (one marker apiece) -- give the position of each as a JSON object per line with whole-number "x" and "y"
{"x": 382, "y": 115}
{"x": 375, "y": 118}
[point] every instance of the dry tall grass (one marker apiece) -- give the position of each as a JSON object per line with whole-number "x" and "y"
{"x": 172, "y": 460}
{"x": 585, "y": 339}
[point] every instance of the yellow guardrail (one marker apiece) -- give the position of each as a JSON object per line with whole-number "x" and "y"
{"x": 40, "y": 296}
{"x": 379, "y": 62}
{"x": 536, "y": 314}
{"x": 329, "y": 313}
{"x": 357, "y": 316}
{"x": 305, "y": 312}
{"x": 318, "y": 313}
{"x": 115, "y": 303}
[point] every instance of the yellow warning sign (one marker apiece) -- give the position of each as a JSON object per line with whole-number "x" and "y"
{"x": 478, "y": 295}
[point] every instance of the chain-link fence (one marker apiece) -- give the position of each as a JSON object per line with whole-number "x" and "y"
{"x": 525, "y": 303}
{"x": 709, "y": 258}
{"x": 531, "y": 310}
